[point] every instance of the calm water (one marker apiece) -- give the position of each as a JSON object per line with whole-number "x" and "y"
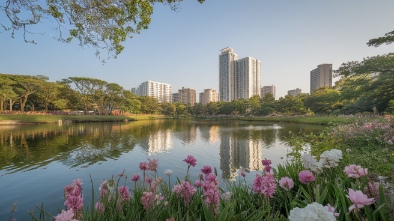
{"x": 37, "y": 161}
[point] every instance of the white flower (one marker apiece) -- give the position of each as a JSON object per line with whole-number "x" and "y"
{"x": 312, "y": 212}
{"x": 168, "y": 172}
{"x": 330, "y": 158}
{"x": 311, "y": 163}
{"x": 226, "y": 196}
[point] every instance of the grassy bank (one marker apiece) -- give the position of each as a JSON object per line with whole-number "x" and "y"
{"x": 321, "y": 120}
{"x": 47, "y": 119}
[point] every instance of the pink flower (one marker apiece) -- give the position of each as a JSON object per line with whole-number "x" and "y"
{"x": 153, "y": 164}
{"x": 264, "y": 185}
{"x": 266, "y": 162}
{"x": 372, "y": 190}
{"x": 306, "y": 176}
{"x": 124, "y": 193}
{"x": 77, "y": 182}
{"x": 197, "y": 183}
{"x": 99, "y": 207}
{"x": 243, "y": 173}
{"x": 135, "y": 177}
{"x": 190, "y": 160}
{"x": 185, "y": 189}
{"x": 359, "y": 199}
{"x": 74, "y": 202}
{"x": 206, "y": 170}
{"x": 332, "y": 209}
{"x": 144, "y": 166}
{"x": 148, "y": 180}
{"x": 286, "y": 183}
{"x": 148, "y": 200}
{"x": 65, "y": 215}
{"x": 267, "y": 168}
{"x": 355, "y": 171}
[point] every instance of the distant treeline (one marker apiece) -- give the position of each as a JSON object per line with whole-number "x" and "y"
{"x": 352, "y": 94}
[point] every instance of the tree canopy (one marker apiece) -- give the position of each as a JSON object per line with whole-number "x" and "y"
{"x": 103, "y": 24}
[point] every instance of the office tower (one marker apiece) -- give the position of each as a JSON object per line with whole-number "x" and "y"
{"x": 185, "y": 96}
{"x": 227, "y": 74}
{"x": 161, "y": 91}
{"x": 321, "y": 77}
{"x": 209, "y": 95}
{"x": 247, "y": 78}
{"x": 294, "y": 92}
{"x": 238, "y": 78}
{"x": 268, "y": 90}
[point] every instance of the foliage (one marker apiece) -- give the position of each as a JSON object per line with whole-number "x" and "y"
{"x": 153, "y": 198}
{"x": 105, "y": 25}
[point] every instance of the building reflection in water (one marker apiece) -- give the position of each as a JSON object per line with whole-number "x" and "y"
{"x": 241, "y": 149}
{"x": 210, "y": 134}
{"x": 157, "y": 142}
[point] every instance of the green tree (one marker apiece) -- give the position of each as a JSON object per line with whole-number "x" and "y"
{"x": 6, "y": 91}
{"x": 131, "y": 103}
{"x": 290, "y": 105}
{"x": 27, "y": 85}
{"x": 104, "y": 25}
{"x": 267, "y": 105}
{"x": 149, "y": 105}
{"x": 324, "y": 100}
{"x": 48, "y": 92}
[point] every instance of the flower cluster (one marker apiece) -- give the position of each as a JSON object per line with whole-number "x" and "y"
{"x": 150, "y": 199}
{"x": 73, "y": 196}
{"x": 355, "y": 171}
{"x": 65, "y": 216}
{"x": 264, "y": 185}
{"x": 306, "y": 176}
{"x": 286, "y": 183}
{"x": 185, "y": 190}
{"x": 211, "y": 192}
{"x": 312, "y": 212}
{"x": 359, "y": 199}
{"x": 328, "y": 159}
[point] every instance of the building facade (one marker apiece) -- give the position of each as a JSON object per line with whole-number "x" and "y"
{"x": 271, "y": 89}
{"x": 209, "y": 95}
{"x": 161, "y": 91}
{"x": 238, "y": 78}
{"x": 227, "y": 74}
{"x": 321, "y": 77}
{"x": 185, "y": 96}
{"x": 294, "y": 92}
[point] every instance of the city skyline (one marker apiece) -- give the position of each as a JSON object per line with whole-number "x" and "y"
{"x": 289, "y": 39}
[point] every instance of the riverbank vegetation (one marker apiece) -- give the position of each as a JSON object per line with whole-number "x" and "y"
{"x": 342, "y": 174}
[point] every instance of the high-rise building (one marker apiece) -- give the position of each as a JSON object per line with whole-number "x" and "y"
{"x": 209, "y": 95}
{"x": 238, "y": 78}
{"x": 161, "y": 91}
{"x": 321, "y": 77}
{"x": 227, "y": 74}
{"x": 247, "y": 77}
{"x": 268, "y": 90}
{"x": 294, "y": 92}
{"x": 185, "y": 96}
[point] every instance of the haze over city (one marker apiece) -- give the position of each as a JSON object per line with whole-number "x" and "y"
{"x": 182, "y": 48}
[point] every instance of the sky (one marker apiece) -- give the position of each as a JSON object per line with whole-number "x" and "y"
{"x": 182, "y": 47}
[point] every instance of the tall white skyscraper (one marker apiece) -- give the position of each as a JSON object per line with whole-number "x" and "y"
{"x": 227, "y": 74}
{"x": 238, "y": 78}
{"x": 161, "y": 91}
{"x": 247, "y": 78}
{"x": 321, "y": 77}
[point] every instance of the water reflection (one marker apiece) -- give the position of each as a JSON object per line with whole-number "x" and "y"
{"x": 241, "y": 143}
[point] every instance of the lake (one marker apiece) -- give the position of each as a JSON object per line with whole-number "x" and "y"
{"x": 37, "y": 161}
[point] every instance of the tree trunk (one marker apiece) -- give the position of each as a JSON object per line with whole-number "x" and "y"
{"x": 11, "y": 103}
{"x": 1, "y": 105}
{"x": 46, "y": 107}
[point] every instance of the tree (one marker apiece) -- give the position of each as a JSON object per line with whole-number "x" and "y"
{"x": 104, "y": 24}
{"x": 376, "y": 74}
{"x": 27, "y": 85}
{"x": 267, "y": 105}
{"x": 48, "y": 92}
{"x": 291, "y": 105}
{"x": 6, "y": 91}
{"x": 323, "y": 100}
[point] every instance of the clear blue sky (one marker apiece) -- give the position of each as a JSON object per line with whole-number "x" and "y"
{"x": 181, "y": 48}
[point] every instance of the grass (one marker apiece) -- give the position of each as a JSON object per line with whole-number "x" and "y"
{"x": 44, "y": 118}
{"x": 320, "y": 120}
